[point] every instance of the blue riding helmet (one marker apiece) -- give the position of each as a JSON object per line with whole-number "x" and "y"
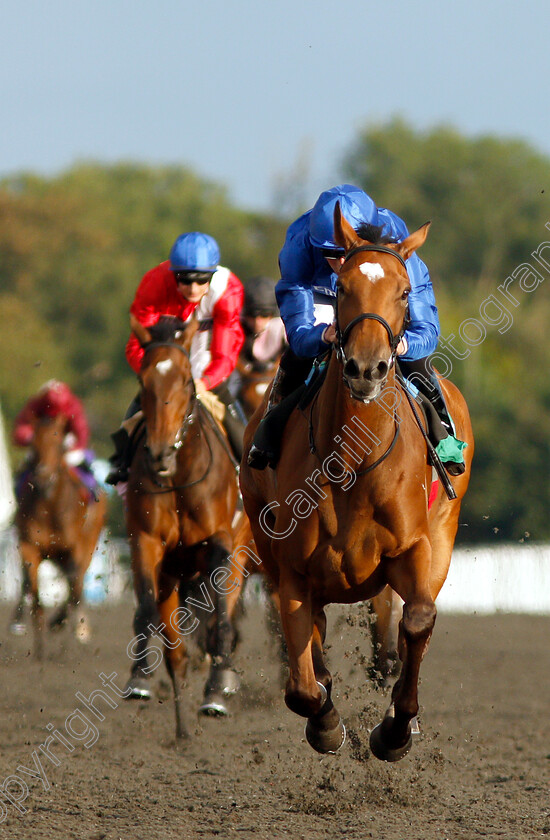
{"x": 356, "y": 206}
{"x": 195, "y": 252}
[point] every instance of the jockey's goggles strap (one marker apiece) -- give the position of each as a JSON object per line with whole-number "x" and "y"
{"x": 380, "y": 248}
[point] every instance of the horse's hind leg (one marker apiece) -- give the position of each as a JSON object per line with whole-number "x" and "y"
{"x": 175, "y": 650}
{"x": 325, "y": 731}
{"x": 385, "y": 612}
{"x": 275, "y": 630}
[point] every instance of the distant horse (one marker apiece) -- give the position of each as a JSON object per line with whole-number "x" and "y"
{"x": 55, "y": 519}
{"x": 181, "y": 500}
{"x": 254, "y": 382}
{"x": 345, "y": 512}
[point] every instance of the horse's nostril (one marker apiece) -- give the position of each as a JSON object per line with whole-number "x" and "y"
{"x": 351, "y": 369}
{"x": 382, "y": 369}
{"x": 376, "y": 372}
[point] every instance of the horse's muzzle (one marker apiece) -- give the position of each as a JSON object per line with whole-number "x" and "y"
{"x": 365, "y": 381}
{"x": 163, "y": 462}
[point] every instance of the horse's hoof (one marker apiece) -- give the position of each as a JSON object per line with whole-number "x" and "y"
{"x": 228, "y": 682}
{"x": 381, "y": 750}
{"x": 326, "y": 742}
{"x": 223, "y": 681}
{"x": 17, "y": 628}
{"x": 214, "y": 707}
{"x": 82, "y": 633}
{"x": 138, "y": 689}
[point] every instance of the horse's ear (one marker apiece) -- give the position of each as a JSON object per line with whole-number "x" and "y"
{"x": 141, "y": 333}
{"x": 185, "y": 337}
{"x": 344, "y": 234}
{"x": 414, "y": 241}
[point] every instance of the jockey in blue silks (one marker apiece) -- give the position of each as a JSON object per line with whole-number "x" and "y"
{"x": 307, "y": 279}
{"x": 306, "y": 294}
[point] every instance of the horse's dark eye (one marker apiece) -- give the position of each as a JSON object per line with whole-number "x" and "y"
{"x": 405, "y": 294}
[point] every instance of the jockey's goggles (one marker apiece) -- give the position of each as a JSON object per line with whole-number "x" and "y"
{"x": 187, "y": 278}
{"x": 333, "y": 253}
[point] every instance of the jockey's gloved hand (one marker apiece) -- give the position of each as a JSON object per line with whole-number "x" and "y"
{"x": 329, "y": 335}
{"x": 200, "y": 388}
{"x": 402, "y": 347}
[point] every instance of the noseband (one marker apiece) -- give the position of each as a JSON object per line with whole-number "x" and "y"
{"x": 342, "y": 337}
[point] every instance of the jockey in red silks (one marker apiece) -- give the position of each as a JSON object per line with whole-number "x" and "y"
{"x": 55, "y": 398}
{"x": 192, "y": 281}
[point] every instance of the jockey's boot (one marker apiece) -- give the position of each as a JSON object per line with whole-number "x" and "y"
{"x": 286, "y": 391}
{"x": 449, "y": 448}
{"x": 234, "y": 425}
{"x": 261, "y": 452}
{"x": 120, "y": 461}
{"x": 441, "y": 429}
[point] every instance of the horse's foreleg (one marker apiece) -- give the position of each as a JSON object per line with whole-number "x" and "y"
{"x": 222, "y": 681}
{"x": 146, "y": 554}
{"x": 79, "y": 621}
{"x": 303, "y": 695}
{"x": 409, "y": 576}
{"x": 17, "y": 624}
{"x": 175, "y": 650}
{"x": 31, "y": 559}
{"x": 325, "y": 731}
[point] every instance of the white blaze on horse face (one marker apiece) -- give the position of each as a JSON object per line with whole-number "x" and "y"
{"x": 164, "y": 366}
{"x": 373, "y": 271}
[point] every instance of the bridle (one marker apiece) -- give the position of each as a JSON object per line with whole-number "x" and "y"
{"x": 188, "y": 420}
{"x": 342, "y": 336}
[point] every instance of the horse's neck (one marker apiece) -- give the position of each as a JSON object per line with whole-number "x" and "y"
{"x": 51, "y": 488}
{"x": 195, "y": 450}
{"x": 373, "y": 423}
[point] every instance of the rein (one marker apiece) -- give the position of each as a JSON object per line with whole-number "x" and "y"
{"x": 314, "y": 451}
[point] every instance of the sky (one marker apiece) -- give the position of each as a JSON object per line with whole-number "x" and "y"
{"x": 249, "y": 93}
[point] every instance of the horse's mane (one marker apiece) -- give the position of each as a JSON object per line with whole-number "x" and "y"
{"x": 373, "y": 234}
{"x": 166, "y": 328}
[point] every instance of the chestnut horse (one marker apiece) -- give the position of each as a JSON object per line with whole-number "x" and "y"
{"x": 345, "y": 512}
{"x": 55, "y": 519}
{"x": 180, "y": 503}
{"x": 384, "y": 608}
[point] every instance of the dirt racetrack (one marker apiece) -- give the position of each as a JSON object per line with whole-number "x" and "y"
{"x": 480, "y": 769}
